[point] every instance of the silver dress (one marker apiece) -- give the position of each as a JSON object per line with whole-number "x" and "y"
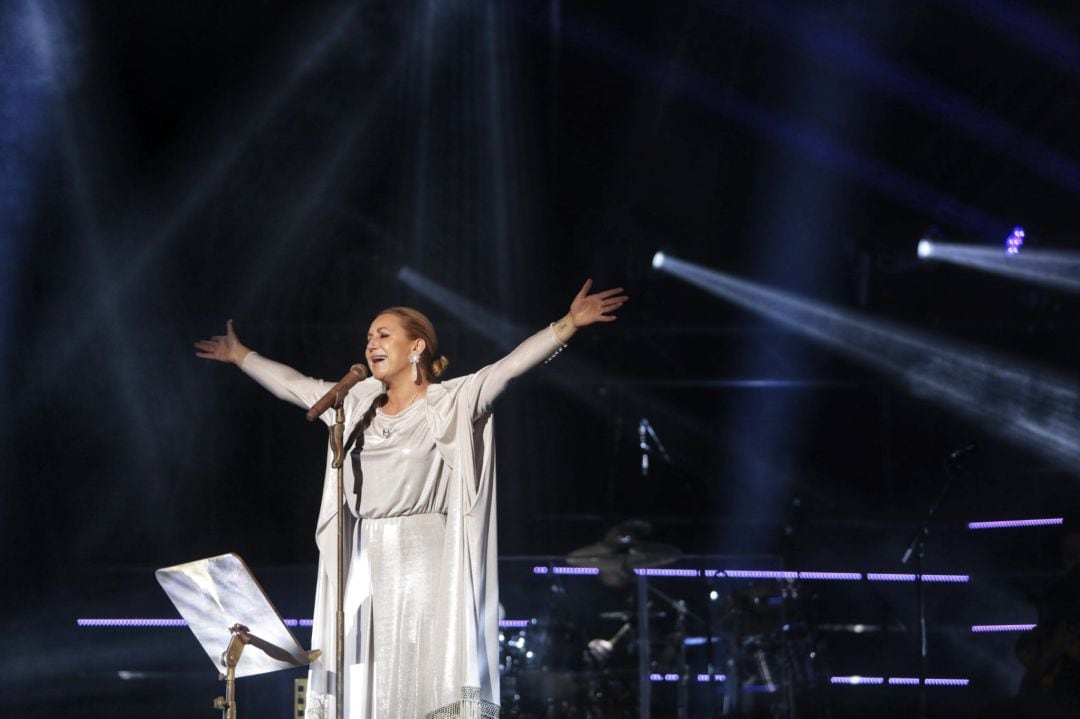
{"x": 402, "y": 530}
{"x": 422, "y": 590}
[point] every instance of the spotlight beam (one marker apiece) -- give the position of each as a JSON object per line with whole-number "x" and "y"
{"x": 23, "y": 104}
{"x": 777, "y": 128}
{"x": 806, "y": 30}
{"x": 1030, "y": 31}
{"x": 167, "y": 230}
{"x": 498, "y": 330}
{"x": 1057, "y": 269}
{"x": 289, "y": 233}
{"x": 1025, "y": 405}
{"x": 52, "y": 44}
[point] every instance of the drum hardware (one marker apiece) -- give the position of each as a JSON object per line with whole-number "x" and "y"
{"x": 771, "y": 670}
{"x": 623, "y": 550}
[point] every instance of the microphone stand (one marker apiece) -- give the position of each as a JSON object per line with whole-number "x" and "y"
{"x": 917, "y": 547}
{"x": 337, "y": 445}
{"x": 336, "y": 398}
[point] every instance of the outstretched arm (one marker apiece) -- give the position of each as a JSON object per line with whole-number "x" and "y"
{"x": 585, "y": 309}
{"x": 283, "y": 381}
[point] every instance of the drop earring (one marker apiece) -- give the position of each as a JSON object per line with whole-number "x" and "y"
{"x": 414, "y": 360}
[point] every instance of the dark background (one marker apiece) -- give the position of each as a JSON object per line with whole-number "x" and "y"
{"x": 169, "y": 165}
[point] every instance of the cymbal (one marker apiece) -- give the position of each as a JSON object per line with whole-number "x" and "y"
{"x": 624, "y": 616}
{"x": 844, "y": 628}
{"x": 631, "y": 554}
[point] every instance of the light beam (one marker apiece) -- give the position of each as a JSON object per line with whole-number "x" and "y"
{"x": 1030, "y": 406}
{"x": 1058, "y": 269}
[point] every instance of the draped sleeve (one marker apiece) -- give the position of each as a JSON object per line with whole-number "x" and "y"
{"x": 466, "y": 623}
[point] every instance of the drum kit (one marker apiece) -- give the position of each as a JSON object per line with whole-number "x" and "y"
{"x": 750, "y": 653}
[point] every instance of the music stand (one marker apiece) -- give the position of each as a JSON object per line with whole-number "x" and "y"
{"x": 227, "y": 609}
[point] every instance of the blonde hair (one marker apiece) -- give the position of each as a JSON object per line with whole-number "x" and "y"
{"x": 418, "y": 326}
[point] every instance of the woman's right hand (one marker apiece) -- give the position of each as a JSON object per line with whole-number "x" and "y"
{"x": 223, "y": 348}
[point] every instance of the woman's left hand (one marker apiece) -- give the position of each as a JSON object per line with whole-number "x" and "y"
{"x": 597, "y": 307}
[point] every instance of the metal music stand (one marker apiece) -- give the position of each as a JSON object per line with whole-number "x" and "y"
{"x": 227, "y": 609}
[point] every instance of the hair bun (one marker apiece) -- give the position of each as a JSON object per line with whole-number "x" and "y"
{"x": 439, "y": 366}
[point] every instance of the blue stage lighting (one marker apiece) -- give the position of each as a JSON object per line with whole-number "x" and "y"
{"x": 658, "y": 260}
{"x": 1059, "y": 269}
{"x": 1029, "y": 405}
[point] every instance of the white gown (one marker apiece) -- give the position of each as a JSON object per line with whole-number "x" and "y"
{"x": 422, "y": 591}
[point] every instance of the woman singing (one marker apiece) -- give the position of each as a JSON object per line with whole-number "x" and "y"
{"x": 421, "y": 600}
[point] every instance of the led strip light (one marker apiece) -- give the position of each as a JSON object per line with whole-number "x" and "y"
{"x": 1013, "y": 523}
{"x": 989, "y": 628}
{"x": 859, "y": 680}
{"x": 766, "y": 574}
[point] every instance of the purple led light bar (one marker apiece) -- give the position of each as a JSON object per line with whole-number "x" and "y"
{"x": 938, "y": 578}
{"x": 903, "y": 681}
{"x": 703, "y": 678}
{"x": 664, "y": 677}
{"x": 566, "y": 570}
{"x": 1012, "y": 523}
{"x": 668, "y": 572}
{"x": 946, "y": 682}
{"x": 513, "y": 623}
{"x": 575, "y": 570}
{"x": 765, "y": 574}
{"x": 832, "y": 576}
{"x": 759, "y": 574}
{"x": 857, "y": 680}
{"x": 714, "y": 678}
{"x": 153, "y": 622}
{"x": 986, "y": 628}
{"x": 131, "y": 622}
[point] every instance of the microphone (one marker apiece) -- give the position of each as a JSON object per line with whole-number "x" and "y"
{"x": 643, "y": 445}
{"x": 356, "y": 373}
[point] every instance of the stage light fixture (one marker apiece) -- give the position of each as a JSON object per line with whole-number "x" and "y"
{"x": 925, "y": 249}
{"x": 658, "y": 260}
{"x": 1014, "y": 241}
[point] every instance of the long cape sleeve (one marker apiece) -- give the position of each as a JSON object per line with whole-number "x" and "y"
{"x": 466, "y": 627}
